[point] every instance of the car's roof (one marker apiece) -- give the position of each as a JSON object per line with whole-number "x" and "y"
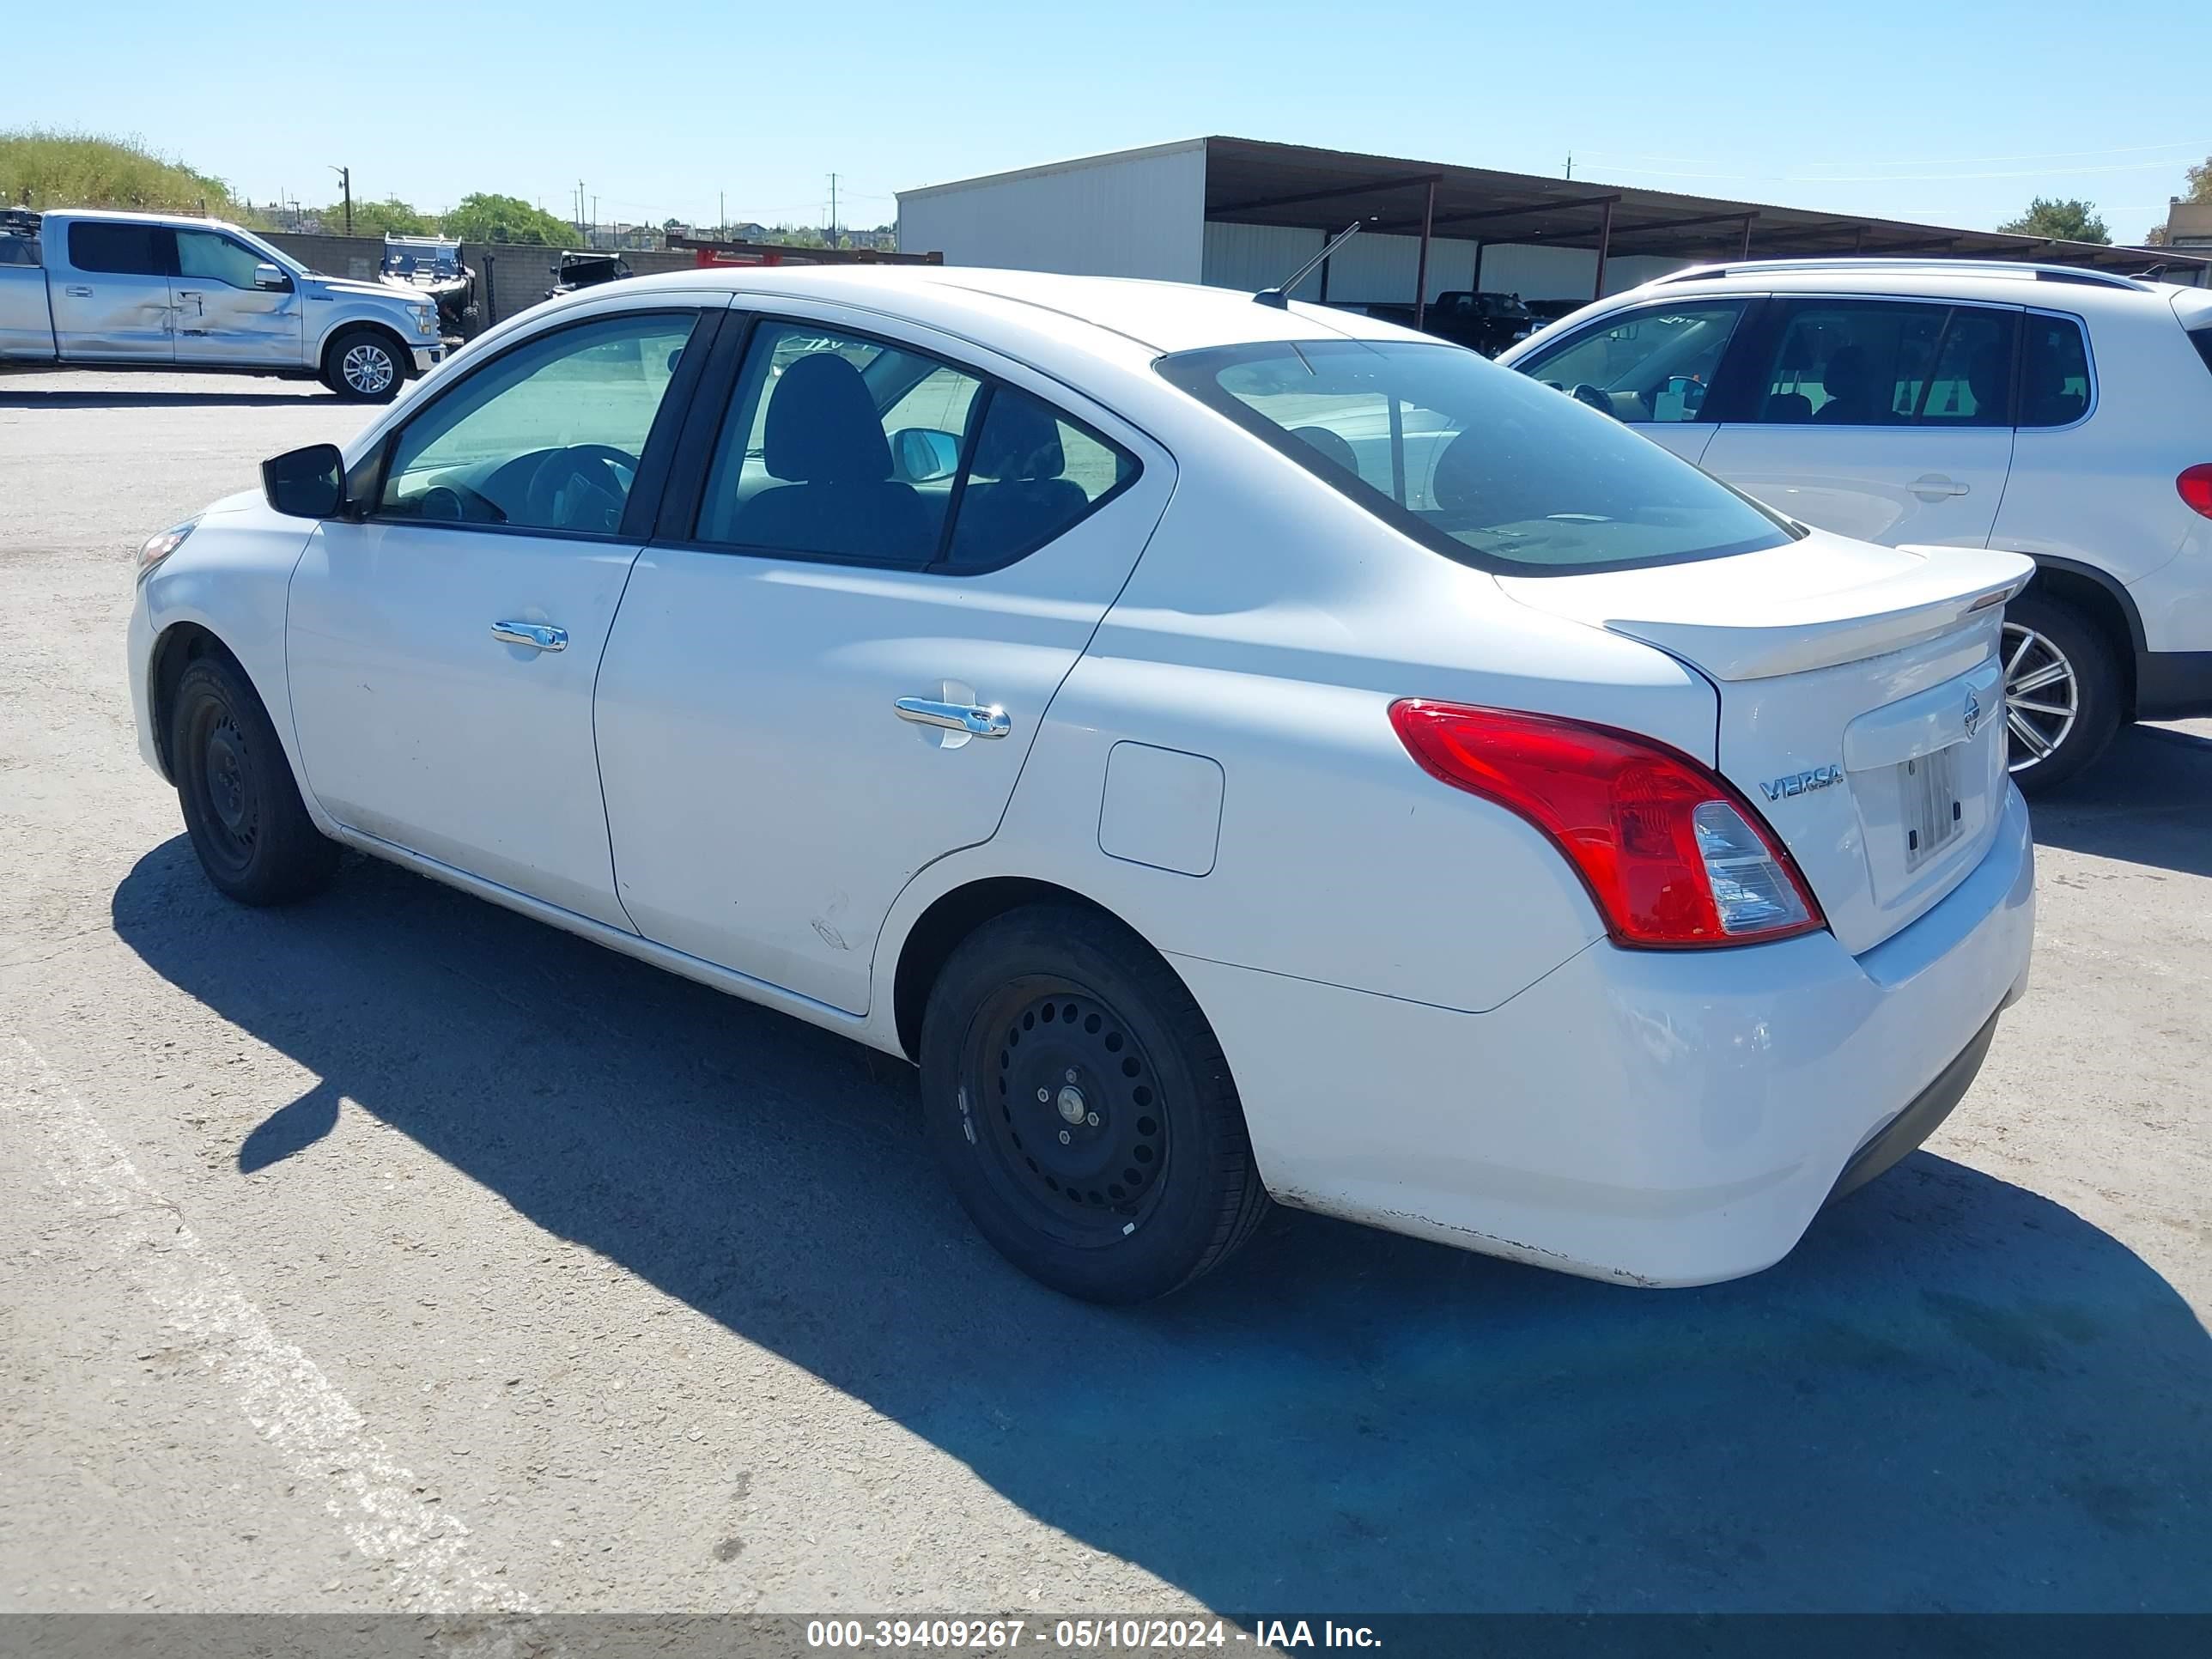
{"x": 1107, "y": 315}
{"x": 2050, "y": 288}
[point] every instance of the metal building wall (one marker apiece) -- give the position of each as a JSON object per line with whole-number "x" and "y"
{"x": 1138, "y": 214}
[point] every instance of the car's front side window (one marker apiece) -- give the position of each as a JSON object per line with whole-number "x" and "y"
{"x": 1653, "y": 364}
{"x": 209, "y": 255}
{"x": 549, "y": 435}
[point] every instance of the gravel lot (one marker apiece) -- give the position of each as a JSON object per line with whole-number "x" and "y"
{"x": 396, "y": 1251}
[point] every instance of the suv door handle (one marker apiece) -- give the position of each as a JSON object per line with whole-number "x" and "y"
{"x": 79, "y": 290}
{"x": 974, "y": 718}
{"x": 536, "y": 635}
{"x": 1934, "y": 487}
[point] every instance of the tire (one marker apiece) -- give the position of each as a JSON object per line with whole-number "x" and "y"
{"x": 1134, "y": 1174}
{"x": 362, "y": 366}
{"x": 241, "y": 807}
{"x": 2054, "y": 726}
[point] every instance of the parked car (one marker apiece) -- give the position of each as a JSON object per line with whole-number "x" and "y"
{"x": 2063, "y": 414}
{"x": 139, "y": 290}
{"x": 589, "y": 269}
{"x": 1488, "y": 323}
{"x": 432, "y": 264}
{"x": 1234, "y": 751}
{"x": 1544, "y": 312}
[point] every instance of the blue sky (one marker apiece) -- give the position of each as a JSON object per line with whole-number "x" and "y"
{"x": 1945, "y": 112}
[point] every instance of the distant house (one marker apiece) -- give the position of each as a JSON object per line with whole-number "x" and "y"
{"x": 2189, "y": 224}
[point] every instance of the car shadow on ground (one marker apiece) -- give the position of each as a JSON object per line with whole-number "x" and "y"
{"x": 125, "y": 399}
{"x": 1955, "y": 1394}
{"x": 2147, "y": 800}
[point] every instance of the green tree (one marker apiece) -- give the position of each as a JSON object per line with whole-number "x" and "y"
{"x": 488, "y": 218}
{"x": 377, "y": 218}
{"x": 2068, "y": 220}
{"x": 2200, "y": 183}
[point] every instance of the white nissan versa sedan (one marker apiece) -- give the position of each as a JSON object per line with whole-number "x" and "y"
{"x": 1236, "y": 750}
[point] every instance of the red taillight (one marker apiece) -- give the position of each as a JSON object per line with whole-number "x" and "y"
{"x": 2195, "y": 487}
{"x": 1671, "y": 855}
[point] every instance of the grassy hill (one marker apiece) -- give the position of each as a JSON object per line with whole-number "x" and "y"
{"x": 75, "y": 169}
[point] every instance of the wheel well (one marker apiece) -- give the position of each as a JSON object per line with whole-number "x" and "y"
{"x": 931, "y": 941}
{"x": 2096, "y": 604}
{"x": 401, "y": 354}
{"x": 180, "y": 645}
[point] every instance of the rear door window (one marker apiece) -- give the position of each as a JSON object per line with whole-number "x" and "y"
{"x": 2054, "y": 374}
{"x": 1656, "y": 364}
{"x": 122, "y": 249}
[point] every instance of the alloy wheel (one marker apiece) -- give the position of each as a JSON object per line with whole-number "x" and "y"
{"x": 2043, "y": 696}
{"x": 368, "y": 369}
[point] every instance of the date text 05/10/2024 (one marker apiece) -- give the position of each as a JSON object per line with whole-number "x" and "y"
{"x": 1083, "y": 1635}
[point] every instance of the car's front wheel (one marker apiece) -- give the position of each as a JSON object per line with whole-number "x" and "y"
{"x": 241, "y": 807}
{"x": 2062, "y": 692}
{"x": 364, "y": 366}
{"x": 1081, "y": 1108}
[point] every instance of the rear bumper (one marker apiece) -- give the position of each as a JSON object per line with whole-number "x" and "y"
{"x": 1659, "y": 1118}
{"x": 2173, "y": 685}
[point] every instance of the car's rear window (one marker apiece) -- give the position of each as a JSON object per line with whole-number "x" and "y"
{"x": 1481, "y": 464}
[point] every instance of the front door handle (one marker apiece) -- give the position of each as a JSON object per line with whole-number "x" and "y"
{"x": 974, "y": 718}
{"x": 1934, "y": 487}
{"x": 536, "y": 635}
{"x": 79, "y": 290}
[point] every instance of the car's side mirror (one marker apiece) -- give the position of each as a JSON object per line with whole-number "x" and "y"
{"x": 272, "y": 278}
{"x": 925, "y": 454}
{"x": 306, "y": 484}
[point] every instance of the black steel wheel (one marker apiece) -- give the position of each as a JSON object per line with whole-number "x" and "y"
{"x": 241, "y": 807}
{"x": 1082, "y": 1109}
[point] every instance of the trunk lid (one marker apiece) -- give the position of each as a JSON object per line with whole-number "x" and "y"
{"x": 1862, "y": 704}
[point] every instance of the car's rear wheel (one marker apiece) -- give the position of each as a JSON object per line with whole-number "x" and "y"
{"x": 364, "y": 366}
{"x": 241, "y": 807}
{"x": 2062, "y": 692}
{"x": 1082, "y": 1109}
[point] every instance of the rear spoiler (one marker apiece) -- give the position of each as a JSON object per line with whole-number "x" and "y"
{"x": 1794, "y": 635}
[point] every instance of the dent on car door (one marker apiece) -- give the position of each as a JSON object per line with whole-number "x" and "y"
{"x": 828, "y": 671}
{"x": 442, "y": 645}
{"x": 1655, "y": 368}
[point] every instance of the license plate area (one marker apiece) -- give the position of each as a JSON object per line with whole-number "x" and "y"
{"x": 1934, "y": 812}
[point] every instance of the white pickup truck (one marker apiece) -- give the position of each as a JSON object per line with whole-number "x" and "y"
{"x": 139, "y": 290}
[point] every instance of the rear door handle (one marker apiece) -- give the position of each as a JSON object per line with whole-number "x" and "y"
{"x": 974, "y": 718}
{"x": 1934, "y": 487}
{"x": 535, "y": 634}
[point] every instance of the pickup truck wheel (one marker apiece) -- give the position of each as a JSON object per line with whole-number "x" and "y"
{"x": 1081, "y": 1108}
{"x": 2062, "y": 692}
{"x": 241, "y": 807}
{"x": 362, "y": 366}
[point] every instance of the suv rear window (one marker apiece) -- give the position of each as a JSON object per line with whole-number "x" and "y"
{"x": 1481, "y": 464}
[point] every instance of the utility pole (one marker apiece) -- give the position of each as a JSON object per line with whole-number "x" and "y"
{"x": 1571, "y": 164}
{"x": 833, "y": 210}
{"x": 721, "y": 214}
{"x": 345, "y": 183}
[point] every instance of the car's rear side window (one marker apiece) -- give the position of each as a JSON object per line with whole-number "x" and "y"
{"x": 120, "y": 249}
{"x": 2202, "y": 339}
{"x": 2054, "y": 372}
{"x": 1480, "y": 463}
{"x": 1862, "y": 362}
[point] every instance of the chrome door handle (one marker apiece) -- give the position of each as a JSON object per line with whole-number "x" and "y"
{"x": 536, "y": 634}
{"x": 974, "y": 719}
{"x": 79, "y": 290}
{"x": 1934, "y": 487}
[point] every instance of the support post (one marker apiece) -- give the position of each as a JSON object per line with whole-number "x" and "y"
{"x": 1604, "y": 247}
{"x": 1745, "y": 252}
{"x": 1479, "y": 248}
{"x": 1421, "y": 269}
